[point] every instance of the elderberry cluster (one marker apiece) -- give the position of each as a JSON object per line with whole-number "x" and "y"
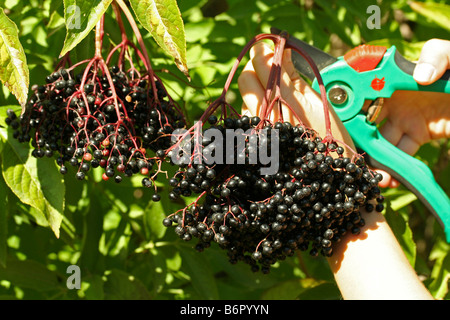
{"x": 312, "y": 201}
{"x": 113, "y": 121}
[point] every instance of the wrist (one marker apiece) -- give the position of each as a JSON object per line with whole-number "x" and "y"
{"x": 372, "y": 264}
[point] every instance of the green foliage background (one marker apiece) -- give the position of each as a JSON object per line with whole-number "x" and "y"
{"x": 113, "y": 232}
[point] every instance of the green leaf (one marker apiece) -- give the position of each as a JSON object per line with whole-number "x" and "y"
{"x": 399, "y": 225}
{"x": 202, "y": 277}
{"x": 290, "y": 289}
{"x": 123, "y": 286}
{"x": 56, "y": 15}
{"x": 95, "y": 289}
{"x": 155, "y": 212}
{"x": 91, "y": 258}
{"x": 153, "y": 217}
{"x": 162, "y": 18}
{"x": 200, "y": 30}
{"x": 81, "y": 16}
{"x": 14, "y": 71}
{"x": 403, "y": 201}
{"x": 441, "y": 270}
{"x": 399, "y": 198}
{"x": 36, "y": 183}
{"x": 438, "y": 13}
{"x": 29, "y": 274}
{"x": 3, "y": 221}
{"x": 324, "y": 291}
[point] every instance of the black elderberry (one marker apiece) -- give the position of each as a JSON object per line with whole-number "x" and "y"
{"x": 311, "y": 202}
{"x": 212, "y": 119}
{"x": 264, "y": 228}
{"x": 11, "y": 114}
{"x": 115, "y": 69}
{"x": 73, "y": 161}
{"x": 173, "y": 182}
{"x": 350, "y": 167}
{"x": 80, "y": 175}
{"x": 109, "y": 172}
{"x": 255, "y": 121}
{"x": 88, "y": 88}
{"x": 160, "y": 153}
{"x": 225, "y": 192}
{"x": 63, "y": 170}
{"x": 85, "y": 166}
{"x": 257, "y": 255}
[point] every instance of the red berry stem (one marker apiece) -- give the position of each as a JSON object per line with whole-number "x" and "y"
{"x": 323, "y": 93}
{"x": 274, "y": 85}
{"x": 99, "y": 34}
{"x": 140, "y": 40}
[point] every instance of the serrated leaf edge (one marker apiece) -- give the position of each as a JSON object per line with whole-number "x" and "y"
{"x": 20, "y": 65}
{"x": 54, "y": 224}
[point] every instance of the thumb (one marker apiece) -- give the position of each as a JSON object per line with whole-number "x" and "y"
{"x": 433, "y": 62}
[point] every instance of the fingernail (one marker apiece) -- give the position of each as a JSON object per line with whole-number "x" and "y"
{"x": 424, "y": 72}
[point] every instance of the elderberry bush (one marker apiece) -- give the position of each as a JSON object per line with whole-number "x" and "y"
{"x": 89, "y": 120}
{"x": 313, "y": 200}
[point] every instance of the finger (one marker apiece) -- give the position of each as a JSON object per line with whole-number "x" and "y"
{"x": 439, "y": 129}
{"x": 288, "y": 65}
{"x": 302, "y": 86}
{"x": 434, "y": 60}
{"x": 262, "y": 57}
{"x": 252, "y": 91}
{"x": 394, "y": 183}
{"x": 408, "y": 145}
{"x": 386, "y": 181}
{"x": 306, "y": 103}
{"x": 252, "y": 86}
{"x": 245, "y": 111}
{"x": 258, "y": 97}
{"x": 299, "y": 83}
{"x": 391, "y": 132}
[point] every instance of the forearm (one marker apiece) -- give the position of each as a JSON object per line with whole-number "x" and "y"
{"x": 359, "y": 273}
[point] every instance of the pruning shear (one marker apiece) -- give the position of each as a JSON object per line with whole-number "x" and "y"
{"x": 375, "y": 73}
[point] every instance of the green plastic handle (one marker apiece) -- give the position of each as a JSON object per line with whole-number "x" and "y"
{"x": 391, "y": 74}
{"x": 413, "y": 173}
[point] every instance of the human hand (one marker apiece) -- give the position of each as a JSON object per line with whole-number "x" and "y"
{"x": 414, "y": 118}
{"x": 303, "y": 100}
{"x": 370, "y": 265}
